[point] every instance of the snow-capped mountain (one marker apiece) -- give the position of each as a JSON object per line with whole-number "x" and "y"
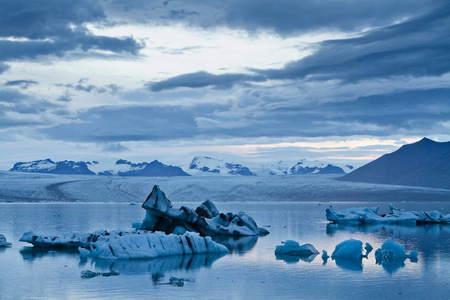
{"x": 152, "y": 169}
{"x": 49, "y": 166}
{"x": 316, "y": 167}
{"x": 200, "y": 165}
{"x": 303, "y": 166}
{"x": 210, "y": 165}
{"x": 120, "y": 167}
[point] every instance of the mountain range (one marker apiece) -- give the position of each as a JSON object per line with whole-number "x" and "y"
{"x": 200, "y": 165}
{"x": 425, "y": 163}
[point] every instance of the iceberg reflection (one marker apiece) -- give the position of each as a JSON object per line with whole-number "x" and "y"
{"x": 156, "y": 266}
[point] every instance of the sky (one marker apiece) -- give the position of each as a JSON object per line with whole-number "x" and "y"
{"x": 248, "y": 80}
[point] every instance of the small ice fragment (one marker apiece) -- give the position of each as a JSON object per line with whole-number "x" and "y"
{"x": 90, "y": 274}
{"x": 293, "y": 248}
{"x": 3, "y": 242}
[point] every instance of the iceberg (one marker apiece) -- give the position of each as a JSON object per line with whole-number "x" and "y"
{"x": 369, "y": 215}
{"x": 349, "y": 249}
{"x": 3, "y": 242}
{"x": 292, "y": 252}
{"x": 392, "y": 256}
{"x": 206, "y": 219}
{"x": 293, "y": 248}
{"x": 391, "y": 251}
{"x": 128, "y": 245}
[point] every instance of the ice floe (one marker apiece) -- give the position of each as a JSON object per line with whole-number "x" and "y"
{"x": 206, "y": 219}
{"x": 3, "y": 242}
{"x": 369, "y": 215}
{"x": 128, "y": 245}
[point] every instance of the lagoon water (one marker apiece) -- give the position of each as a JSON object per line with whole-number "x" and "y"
{"x": 251, "y": 271}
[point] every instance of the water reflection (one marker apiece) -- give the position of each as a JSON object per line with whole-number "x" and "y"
{"x": 32, "y": 253}
{"x": 350, "y": 264}
{"x": 392, "y": 266}
{"x": 235, "y": 244}
{"x": 293, "y": 259}
{"x": 156, "y": 267}
{"x": 431, "y": 229}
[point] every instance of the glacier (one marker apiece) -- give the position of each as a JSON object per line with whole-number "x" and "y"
{"x": 369, "y": 215}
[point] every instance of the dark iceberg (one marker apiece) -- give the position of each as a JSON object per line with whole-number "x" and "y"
{"x": 206, "y": 219}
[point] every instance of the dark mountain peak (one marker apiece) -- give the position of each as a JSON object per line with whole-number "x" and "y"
{"x": 423, "y": 163}
{"x": 426, "y": 140}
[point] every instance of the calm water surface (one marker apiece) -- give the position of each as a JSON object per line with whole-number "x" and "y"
{"x": 251, "y": 271}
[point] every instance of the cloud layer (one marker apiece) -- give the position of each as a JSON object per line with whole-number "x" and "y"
{"x": 114, "y": 72}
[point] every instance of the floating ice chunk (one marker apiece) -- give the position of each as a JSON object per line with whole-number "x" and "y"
{"x": 128, "y": 245}
{"x": 391, "y": 251}
{"x": 206, "y": 219}
{"x": 349, "y": 249}
{"x": 90, "y": 274}
{"x": 325, "y": 256}
{"x": 3, "y": 242}
{"x": 68, "y": 240}
{"x": 369, "y": 215}
{"x": 293, "y": 248}
{"x": 178, "y": 281}
{"x": 368, "y": 248}
{"x": 150, "y": 245}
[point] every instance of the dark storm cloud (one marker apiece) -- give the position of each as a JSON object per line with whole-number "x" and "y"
{"x": 412, "y": 112}
{"x": 54, "y": 27}
{"x": 203, "y": 79}
{"x": 417, "y": 47}
{"x": 286, "y": 17}
{"x": 23, "y": 84}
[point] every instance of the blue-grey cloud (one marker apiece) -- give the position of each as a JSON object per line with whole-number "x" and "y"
{"x": 286, "y": 17}
{"x": 65, "y": 97}
{"x": 417, "y": 47}
{"x": 412, "y": 112}
{"x": 130, "y": 123}
{"x": 84, "y": 86}
{"x": 3, "y": 67}
{"x": 53, "y": 28}
{"x": 23, "y": 84}
{"x": 18, "y": 109}
{"x": 114, "y": 147}
{"x": 203, "y": 79}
